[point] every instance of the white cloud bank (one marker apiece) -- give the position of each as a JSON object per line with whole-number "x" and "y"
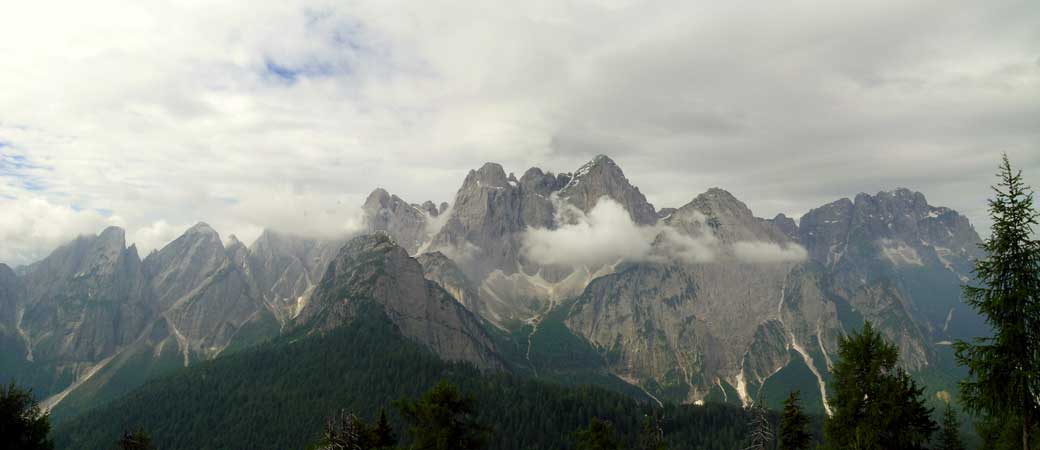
{"x": 608, "y": 234}
{"x": 31, "y": 228}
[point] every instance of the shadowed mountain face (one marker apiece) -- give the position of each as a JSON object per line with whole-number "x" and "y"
{"x": 718, "y": 304}
{"x": 374, "y": 268}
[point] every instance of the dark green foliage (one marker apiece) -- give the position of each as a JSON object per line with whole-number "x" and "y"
{"x": 138, "y": 440}
{"x": 950, "y": 433}
{"x": 1005, "y": 368}
{"x": 383, "y": 434}
{"x": 877, "y": 406}
{"x": 280, "y": 394}
{"x": 444, "y": 419}
{"x": 599, "y": 435}
{"x": 794, "y": 425}
{"x": 652, "y": 435}
{"x": 1003, "y": 433}
{"x": 23, "y": 426}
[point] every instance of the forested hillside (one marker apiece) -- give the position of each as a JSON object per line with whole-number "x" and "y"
{"x": 279, "y": 395}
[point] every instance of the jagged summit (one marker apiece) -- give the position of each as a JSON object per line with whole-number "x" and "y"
{"x": 726, "y": 217}
{"x": 373, "y": 268}
{"x": 390, "y": 213}
{"x": 602, "y": 177}
{"x": 489, "y": 175}
{"x": 202, "y": 228}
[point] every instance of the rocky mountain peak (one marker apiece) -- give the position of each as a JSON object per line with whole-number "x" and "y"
{"x": 114, "y": 236}
{"x": 489, "y": 175}
{"x": 202, "y": 230}
{"x": 726, "y": 217}
{"x": 602, "y": 177}
{"x": 404, "y": 221}
{"x": 374, "y": 269}
{"x": 430, "y": 208}
{"x": 786, "y": 224}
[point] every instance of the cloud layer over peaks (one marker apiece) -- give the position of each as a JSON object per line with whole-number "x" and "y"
{"x": 607, "y": 234}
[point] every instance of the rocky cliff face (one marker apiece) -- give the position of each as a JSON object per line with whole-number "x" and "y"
{"x": 285, "y": 269}
{"x": 440, "y": 269}
{"x": 85, "y": 300}
{"x": 373, "y": 268}
{"x": 602, "y": 177}
{"x": 405, "y": 222}
{"x": 204, "y": 295}
{"x": 492, "y": 210}
{"x": 685, "y": 330}
{"x": 11, "y": 293}
{"x": 895, "y": 245}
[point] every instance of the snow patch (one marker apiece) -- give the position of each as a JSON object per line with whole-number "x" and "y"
{"x": 899, "y": 253}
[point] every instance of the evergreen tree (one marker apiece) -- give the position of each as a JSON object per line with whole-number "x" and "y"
{"x": 794, "y": 425}
{"x": 876, "y": 404}
{"x": 23, "y": 426}
{"x": 1004, "y": 370}
{"x": 138, "y": 440}
{"x": 443, "y": 419}
{"x": 651, "y": 437}
{"x": 950, "y": 433}
{"x": 761, "y": 436}
{"x": 345, "y": 431}
{"x": 383, "y": 435}
{"x": 599, "y": 435}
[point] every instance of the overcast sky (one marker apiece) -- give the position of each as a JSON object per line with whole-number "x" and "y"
{"x": 244, "y": 114}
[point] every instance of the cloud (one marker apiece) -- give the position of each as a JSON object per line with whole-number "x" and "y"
{"x": 31, "y": 227}
{"x": 606, "y": 235}
{"x": 769, "y": 252}
{"x": 179, "y": 111}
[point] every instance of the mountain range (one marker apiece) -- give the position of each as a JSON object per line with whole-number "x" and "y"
{"x": 571, "y": 276}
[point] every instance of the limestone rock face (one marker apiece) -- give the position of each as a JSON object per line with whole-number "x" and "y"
{"x": 204, "y": 294}
{"x": 602, "y": 177}
{"x": 786, "y": 225}
{"x": 285, "y": 268}
{"x": 686, "y": 330}
{"x": 86, "y": 299}
{"x": 484, "y": 231}
{"x": 11, "y": 293}
{"x": 720, "y": 213}
{"x": 900, "y": 261}
{"x": 374, "y": 269}
{"x": 440, "y": 269}
{"x": 405, "y": 222}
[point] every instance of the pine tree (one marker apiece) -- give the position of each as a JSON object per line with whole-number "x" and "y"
{"x": 345, "y": 431}
{"x": 950, "y": 433}
{"x": 651, "y": 437}
{"x": 599, "y": 435}
{"x": 1004, "y": 370}
{"x": 383, "y": 435}
{"x": 794, "y": 425}
{"x": 444, "y": 419}
{"x": 876, "y": 404}
{"x": 23, "y": 426}
{"x": 761, "y": 437}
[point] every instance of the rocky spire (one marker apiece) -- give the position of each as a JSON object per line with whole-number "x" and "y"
{"x": 602, "y": 177}
{"x": 406, "y": 223}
